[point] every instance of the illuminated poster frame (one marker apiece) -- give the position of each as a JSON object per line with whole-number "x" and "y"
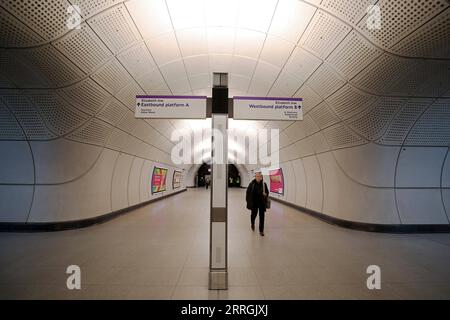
{"x": 159, "y": 180}
{"x": 176, "y": 179}
{"x": 276, "y": 181}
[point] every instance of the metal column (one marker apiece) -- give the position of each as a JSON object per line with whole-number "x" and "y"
{"x": 218, "y": 248}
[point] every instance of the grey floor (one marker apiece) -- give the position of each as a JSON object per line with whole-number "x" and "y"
{"x": 160, "y": 251}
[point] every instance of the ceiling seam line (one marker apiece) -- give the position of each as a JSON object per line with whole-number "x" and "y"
{"x": 296, "y": 45}
{"x": 148, "y": 49}
{"x": 178, "y": 45}
{"x": 262, "y": 47}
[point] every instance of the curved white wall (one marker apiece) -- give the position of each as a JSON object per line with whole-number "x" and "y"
{"x": 373, "y": 145}
{"x": 397, "y": 183}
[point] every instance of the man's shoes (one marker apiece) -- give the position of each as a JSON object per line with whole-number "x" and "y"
{"x": 262, "y": 234}
{"x": 253, "y": 228}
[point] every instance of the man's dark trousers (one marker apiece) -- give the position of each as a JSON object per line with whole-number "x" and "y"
{"x": 261, "y": 217}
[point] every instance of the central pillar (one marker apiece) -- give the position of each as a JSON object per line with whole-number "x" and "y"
{"x": 218, "y": 248}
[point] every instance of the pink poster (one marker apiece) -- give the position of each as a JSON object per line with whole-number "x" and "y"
{"x": 276, "y": 181}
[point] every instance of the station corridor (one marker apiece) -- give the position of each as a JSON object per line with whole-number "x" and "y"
{"x": 134, "y": 136}
{"x": 160, "y": 251}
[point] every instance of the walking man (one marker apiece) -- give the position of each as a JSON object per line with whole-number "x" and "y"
{"x": 256, "y": 197}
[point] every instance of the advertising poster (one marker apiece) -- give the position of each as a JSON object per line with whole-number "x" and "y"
{"x": 176, "y": 181}
{"x": 276, "y": 181}
{"x": 159, "y": 180}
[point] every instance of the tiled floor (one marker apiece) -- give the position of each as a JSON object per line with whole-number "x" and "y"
{"x": 160, "y": 251}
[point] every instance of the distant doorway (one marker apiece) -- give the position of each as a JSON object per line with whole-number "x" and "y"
{"x": 204, "y": 173}
{"x": 234, "y": 178}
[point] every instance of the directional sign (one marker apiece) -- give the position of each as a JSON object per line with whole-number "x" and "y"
{"x": 171, "y": 107}
{"x": 267, "y": 108}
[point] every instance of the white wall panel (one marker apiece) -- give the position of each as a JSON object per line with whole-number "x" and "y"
{"x": 16, "y": 163}
{"x": 446, "y": 172}
{"x": 446, "y": 201}
{"x": 420, "y": 167}
{"x": 119, "y": 185}
{"x": 348, "y": 200}
{"x": 134, "y": 182}
{"x": 421, "y": 206}
{"x": 318, "y": 142}
{"x": 300, "y": 182}
{"x": 87, "y": 197}
{"x": 62, "y": 160}
{"x": 313, "y": 183}
{"x": 291, "y": 184}
{"x": 145, "y": 192}
{"x": 369, "y": 164}
{"x": 15, "y": 202}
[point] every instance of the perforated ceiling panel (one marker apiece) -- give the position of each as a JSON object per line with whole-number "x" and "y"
{"x": 348, "y": 10}
{"x": 325, "y": 81}
{"x": 112, "y": 76}
{"x": 373, "y": 122}
{"x": 48, "y": 18}
{"x": 431, "y": 40}
{"x": 340, "y": 136}
{"x": 15, "y": 33}
{"x": 310, "y": 98}
{"x": 113, "y": 112}
{"x": 404, "y": 120}
{"x": 432, "y": 128}
{"x": 323, "y": 116}
{"x": 128, "y": 95}
{"x": 51, "y": 65}
{"x": 29, "y": 118}
{"x": 59, "y": 117}
{"x": 94, "y": 132}
{"x": 137, "y": 60}
{"x": 84, "y": 48}
{"x": 324, "y": 34}
{"x": 353, "y": 54}
{"x": 9, "y": 127}
{"x": 18, "y": 74}
{"x": 349, "y": 101}
{"x": 302, "y": 64}
{"x": 90, "y": 7}
{"x": 399, "y": 18}
{"x": 128, "y": 122}
{"x": 383, "y": 74}
{"x": 115, "y": 27}
{"x": 87, "y": 96}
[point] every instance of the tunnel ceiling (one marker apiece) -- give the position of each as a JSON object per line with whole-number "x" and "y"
{"x": 81, "y": 83}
